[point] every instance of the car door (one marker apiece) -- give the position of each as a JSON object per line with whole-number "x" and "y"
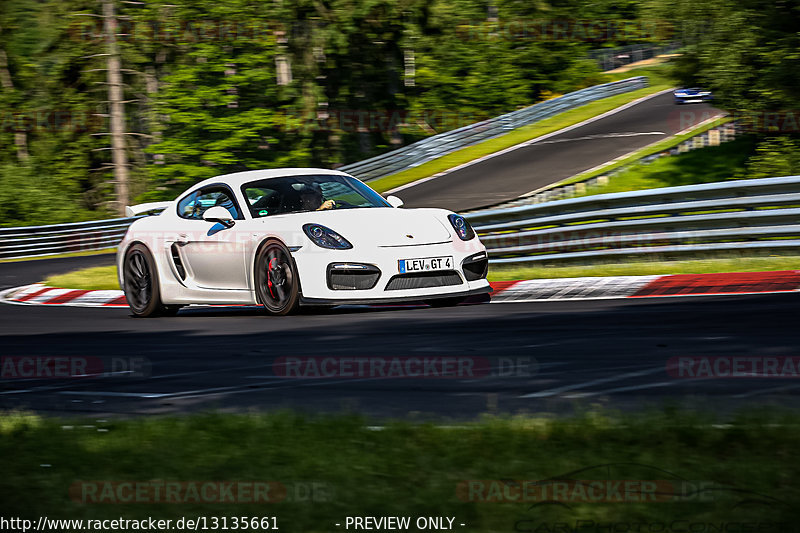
{"x": 212, "y": 254}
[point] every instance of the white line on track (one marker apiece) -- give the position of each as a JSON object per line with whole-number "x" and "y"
{"x": 158, "y": 395}
{"x": 209, "y": 371}
{"x": 610, "y": 379}
{"x": 626, "y": 156}
{"x": 604, "y": 136}
{"x": 619, "y": 389}
{"x": 767, "y": 391}
{"x": 279, "y": 383}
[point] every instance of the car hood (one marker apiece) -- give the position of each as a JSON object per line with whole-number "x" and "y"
{"x": 383, "y": 226}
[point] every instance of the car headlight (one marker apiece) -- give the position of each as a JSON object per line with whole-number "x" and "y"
{"x": 462, "y": 227}
{"x": 326, "y": 237}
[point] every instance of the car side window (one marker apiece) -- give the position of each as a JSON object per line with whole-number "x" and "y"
{"x": 186, "y": 206}
{"x": 194, "y": 205}
{"x": 263, "y": 201}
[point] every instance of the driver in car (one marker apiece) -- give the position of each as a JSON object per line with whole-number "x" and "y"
{"x": 312, "y": 199}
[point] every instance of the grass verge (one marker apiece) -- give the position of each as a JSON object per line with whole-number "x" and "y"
{"x": 646, "y": 268}
{"x": 334, "y": 467}
{"x": 526, "y": 133}
{"x": 706, "y": 165}
{"x": 660, "y": 146}
{"x": 94, "y": 278}
{"x": 61, "y": 256}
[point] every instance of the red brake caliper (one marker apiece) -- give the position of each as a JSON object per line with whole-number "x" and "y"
{"x": 269, "y": 276}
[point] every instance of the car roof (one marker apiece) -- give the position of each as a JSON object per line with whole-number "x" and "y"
{"x": 237, "y": 179}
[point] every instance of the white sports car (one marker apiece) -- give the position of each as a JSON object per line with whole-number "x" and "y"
{"x": 297, "y": 236}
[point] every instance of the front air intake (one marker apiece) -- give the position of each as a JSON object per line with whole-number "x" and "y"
{"x": 476, "y": 267}
{"x": 424, "y": 280}
{"x": 352, "y": 276}
{"x": 176, "y": 260}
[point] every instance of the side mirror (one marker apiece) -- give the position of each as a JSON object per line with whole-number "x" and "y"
{"x": 219, "y": 214}
{"x": 394, "y": 201}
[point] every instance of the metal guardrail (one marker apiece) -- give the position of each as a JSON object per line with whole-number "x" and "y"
{"x": 733, "y": 215}
{"x": 611, "y": 58}
{"x": 759, "y": 214}
{"x": 34, "y": 241}
{"x": 445, "y": 143}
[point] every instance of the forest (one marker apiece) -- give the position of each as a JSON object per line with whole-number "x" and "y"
{"x": 210, "y": 87}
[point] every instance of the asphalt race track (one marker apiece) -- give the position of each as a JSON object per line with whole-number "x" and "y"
{"x": 510, "y": 175}
{"x": 550, "y": 357}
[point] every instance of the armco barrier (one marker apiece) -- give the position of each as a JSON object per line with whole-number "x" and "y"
{"x": 758, "y": 214}
{"x": 444, "y": 143}
{"x": 33, "y": 241}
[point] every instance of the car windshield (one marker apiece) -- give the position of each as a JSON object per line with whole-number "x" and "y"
{"x": 296, "y": 194}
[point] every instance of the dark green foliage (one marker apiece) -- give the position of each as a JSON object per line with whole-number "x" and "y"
{"x": 203, "y": 93}
{"x": 748, "y": 53}
{"x": 720, "y": 473}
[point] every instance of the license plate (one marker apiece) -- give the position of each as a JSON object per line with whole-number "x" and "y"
{"x": 425, "y": 264}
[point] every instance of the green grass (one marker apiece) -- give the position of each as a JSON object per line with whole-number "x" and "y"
{"x": 655, "y": 148}
{"x": 525, "y": 133}
{"x": 59, "y": 256}
{"x": 705, "y": 165}
{"x": 94, "y": 278}
{"x": 405, "y": 469}
{"x": 645, "y": 268}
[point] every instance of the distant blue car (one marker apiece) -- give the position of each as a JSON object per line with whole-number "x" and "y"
{"x": 692, "y": 96}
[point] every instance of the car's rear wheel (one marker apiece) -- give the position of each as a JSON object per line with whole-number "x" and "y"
{"x": 140, "y": 282}
{"x": 277, "y": 282}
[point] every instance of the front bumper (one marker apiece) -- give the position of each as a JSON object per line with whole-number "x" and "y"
{"x": 693, "y": 99}
{"x": 394, "y": 300}
{"x": 314, "y": 267}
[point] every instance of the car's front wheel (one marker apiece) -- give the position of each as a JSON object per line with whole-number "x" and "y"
{"x": 277, "y": 282}
{"x": 140, "y": 282}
